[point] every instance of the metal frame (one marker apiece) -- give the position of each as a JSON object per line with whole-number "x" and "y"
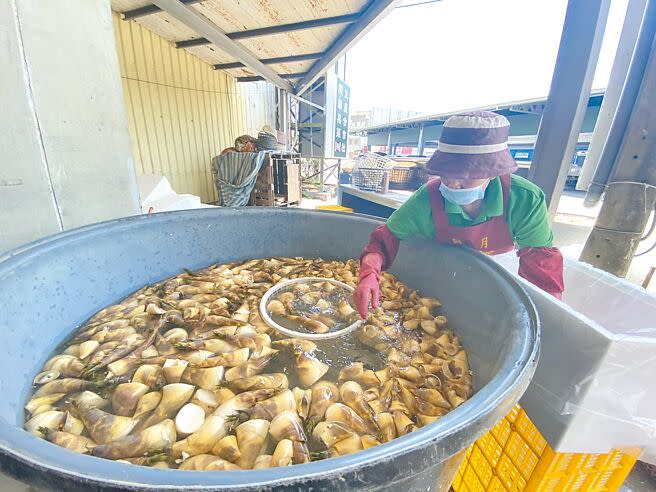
{"x": 283, "y": 28}
{"x": 150, "y": 9}
{"x": 562, "y": 119}
{"x": 272, "y": 61}
{"x": 209, "y": 30}
{"x": 305, "y": 101}
{"x": 373, "y": 13}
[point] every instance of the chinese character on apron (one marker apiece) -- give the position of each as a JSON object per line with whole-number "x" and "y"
{"x": 491, "y": 237}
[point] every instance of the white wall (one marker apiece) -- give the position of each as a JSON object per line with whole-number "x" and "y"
{"x": 65, "y": 157}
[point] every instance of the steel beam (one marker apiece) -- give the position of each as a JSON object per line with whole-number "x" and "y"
{"x": 561, "y": 122}
{"x": 305, "y": 101}
{"x": 267, "y": 31}
{"x": 150, "y": 9}
{"x": 202, "y": 26}
{"x": 272, "y": 61}
{"x": 372, "y": 14}
{"x": 285, "y": 76}
{"x": 190, "y": 43}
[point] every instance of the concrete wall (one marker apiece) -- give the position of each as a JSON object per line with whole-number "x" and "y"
{"x": 181, "y": 112}
{"x": 64, "y": 145}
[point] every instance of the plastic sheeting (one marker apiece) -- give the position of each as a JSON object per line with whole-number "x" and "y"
{"x": 235, "y": 174}
{"x": 594, "y": 389}
{"x": 157, "y": 195}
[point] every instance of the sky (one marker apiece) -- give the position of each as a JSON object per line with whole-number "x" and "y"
{"x": 457, "y": 54}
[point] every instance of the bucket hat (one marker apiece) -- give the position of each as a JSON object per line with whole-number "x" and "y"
{"x": 473, "y": 146}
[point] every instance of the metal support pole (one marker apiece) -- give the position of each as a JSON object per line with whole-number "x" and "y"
{"x": 627, "y": 100}
{"x": 631, "y": 193}
{"x": 420, "y": 142}
{"x": 283, "y": 117}
{"x": 560, "y": 126}
{"x": 389, "y": 143}
{"x": 635, "y": 11}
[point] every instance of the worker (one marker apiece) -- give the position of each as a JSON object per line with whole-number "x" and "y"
{"x": 476, "y": 202}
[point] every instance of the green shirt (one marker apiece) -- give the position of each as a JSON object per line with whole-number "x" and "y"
{"x": 528, "y": 220}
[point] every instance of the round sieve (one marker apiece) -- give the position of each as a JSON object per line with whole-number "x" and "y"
{"x": 264, "y": 313}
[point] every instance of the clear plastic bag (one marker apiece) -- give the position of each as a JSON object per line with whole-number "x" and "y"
{"x": 594, "y": 388}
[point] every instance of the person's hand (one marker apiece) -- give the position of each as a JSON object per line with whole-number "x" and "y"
{"x": 367, "y": 288}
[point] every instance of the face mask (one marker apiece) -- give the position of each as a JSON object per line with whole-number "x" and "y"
{"x": 463, "y": 196}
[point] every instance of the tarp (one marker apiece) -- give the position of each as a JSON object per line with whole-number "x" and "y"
{"x": 235, "y": 174}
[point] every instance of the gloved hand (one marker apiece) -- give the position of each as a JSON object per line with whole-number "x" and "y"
{"x": 368, "y": 286}
{"x": 543, "y": 267}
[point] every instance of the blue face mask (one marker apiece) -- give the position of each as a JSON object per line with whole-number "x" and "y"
{"x": 464, "y": 196}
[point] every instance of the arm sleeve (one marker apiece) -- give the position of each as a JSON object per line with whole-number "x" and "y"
{"x": 384, "y": 243}
{"x": 412, "y": 219}
{"x": 528, "y": 219}
{"x": 543, "y": 267}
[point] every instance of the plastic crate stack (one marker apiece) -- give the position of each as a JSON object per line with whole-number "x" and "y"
{"x": 515, "y": 457}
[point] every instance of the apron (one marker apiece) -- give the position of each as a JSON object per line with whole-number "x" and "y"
{"x": 491, "y": 237}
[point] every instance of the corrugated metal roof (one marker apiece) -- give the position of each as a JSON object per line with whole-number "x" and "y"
{"x": 233, "y": 16}
{"x": 437, "y": 117}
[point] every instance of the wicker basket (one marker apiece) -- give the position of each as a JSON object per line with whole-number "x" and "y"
{"x": 371, "y": 160}
{"x": 422, "y": 175}
{"x": 404, "y": 178}
{"x": 371, "y": 179}
{"x": 266, "y": 141}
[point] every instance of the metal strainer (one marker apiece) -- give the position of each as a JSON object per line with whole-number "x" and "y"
{"x": 264, "y": 313}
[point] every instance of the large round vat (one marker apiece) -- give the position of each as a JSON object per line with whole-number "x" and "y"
{"x": 50, "y": 286}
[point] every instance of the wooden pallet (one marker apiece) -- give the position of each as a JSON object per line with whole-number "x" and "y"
{"x": 279, "y": 181}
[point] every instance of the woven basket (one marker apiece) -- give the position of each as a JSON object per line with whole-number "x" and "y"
{"x": 374, "y": 161}
{"x": 266, "y": 141}
{"x": 404, "y": 178}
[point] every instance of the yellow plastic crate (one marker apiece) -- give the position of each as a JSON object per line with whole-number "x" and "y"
{"x": 514, "y": 457}
{"x": 335, "y": 208}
